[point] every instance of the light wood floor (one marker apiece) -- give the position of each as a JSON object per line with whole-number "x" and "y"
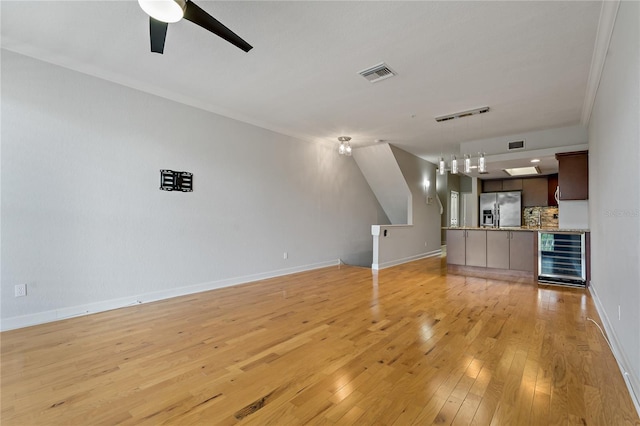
{"x": 340, "y": 345}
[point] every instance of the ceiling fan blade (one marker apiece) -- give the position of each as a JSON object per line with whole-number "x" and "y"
{"x": 158, "y": 33}
{"x": 199, "y": 17}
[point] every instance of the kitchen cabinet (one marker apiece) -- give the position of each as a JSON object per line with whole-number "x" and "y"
{"x": 573, "y": 175}
{"x": 535, "y": 192}
{"x": 552, "y": 184}
{"x": 476, "y": 248}
{"x": 512, "y": 184}
{"x": 495, "y": 253}
{"x": 493, "y": 185}
{"x": 456, "y": 246}
{"x": 512, "y": 250}
{"x": 521, "y": 251}
{"x": 498, "y": 249}
{"x": 467, "y": 247}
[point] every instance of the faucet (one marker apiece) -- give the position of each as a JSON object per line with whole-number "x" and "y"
{"x": 539, "y": 218}
{"x": 535, "y": 221}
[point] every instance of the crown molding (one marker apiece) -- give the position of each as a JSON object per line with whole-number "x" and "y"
{"x": 606, "y": 23}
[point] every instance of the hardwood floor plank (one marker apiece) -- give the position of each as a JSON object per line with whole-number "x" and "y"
{"x": 467, "y": 410}
{"x": 540, "y": 409}
{"x": 430, "y": 411}
{"x": 340, "y": 345}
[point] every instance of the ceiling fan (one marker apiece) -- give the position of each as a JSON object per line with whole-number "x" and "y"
{"x": 163, "y": 12}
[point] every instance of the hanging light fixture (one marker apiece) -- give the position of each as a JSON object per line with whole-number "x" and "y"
{"x": 454, "y": 165}
{"x": 467, "y": 167}
{"x": 467, "y": 163}
{"x": 482, "y": 164}
{"x": 345, "y": 146}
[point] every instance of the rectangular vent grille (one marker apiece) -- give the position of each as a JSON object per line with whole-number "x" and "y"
{"x": 176, "y": 181}
{"x": 377, "y": 73}
{"x": 516, "y": 145}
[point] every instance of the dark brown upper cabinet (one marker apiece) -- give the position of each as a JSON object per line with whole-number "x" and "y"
{"x": 573, "y": 175}
{"x": 512, "y": 184}
{"x": 493, "y": 185}
{"x": 535, "y": 192}
{"x": 551, "y": 190}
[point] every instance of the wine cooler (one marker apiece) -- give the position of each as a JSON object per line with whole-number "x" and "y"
{"x": 561, "y": 258}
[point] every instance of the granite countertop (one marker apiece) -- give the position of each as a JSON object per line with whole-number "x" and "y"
{"x": 518, "y": 228}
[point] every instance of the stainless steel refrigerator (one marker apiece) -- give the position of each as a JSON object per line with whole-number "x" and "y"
{"x": 501, "y": 209}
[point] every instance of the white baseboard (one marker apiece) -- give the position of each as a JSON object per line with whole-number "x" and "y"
{"x": 21, "y": 321}
{"x": 632, "y": 381}
{"x": 383, "y": 265}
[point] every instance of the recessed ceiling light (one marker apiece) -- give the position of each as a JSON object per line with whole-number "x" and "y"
{"x": 522, "y": 171}
{"x": 535, "y": 160}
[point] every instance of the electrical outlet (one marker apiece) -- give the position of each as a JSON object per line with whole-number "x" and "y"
{"x": 285, "y": 256}
{"x": 20, "y": 290}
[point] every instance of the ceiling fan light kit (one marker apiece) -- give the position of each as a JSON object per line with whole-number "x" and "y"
{"x": 163, "y": 12}
{"x": 168, "y": 11}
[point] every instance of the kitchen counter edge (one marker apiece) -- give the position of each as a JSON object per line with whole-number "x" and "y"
{"x": 481, "y": 228}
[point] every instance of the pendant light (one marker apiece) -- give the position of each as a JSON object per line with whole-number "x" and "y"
{"x": 454, "y": 165}
{"x": 467, "y": 163}
{"x": 482, "y": 164}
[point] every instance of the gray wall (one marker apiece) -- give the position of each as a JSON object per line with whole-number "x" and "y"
{"x": 470, "y": 194}
{"x": 614, "y": 191}
{"x": 445, "y": 184}
{"x": 84, "y": 222}
{"x": 539, "y": 139}
{"x": 466, "y": 183}
{"x": 417, "y": 172}
{"x": 380, "y": 169}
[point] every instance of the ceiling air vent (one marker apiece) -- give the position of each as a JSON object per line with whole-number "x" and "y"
{"x": 377, "y": 73}
{"x": 516, "y": 145}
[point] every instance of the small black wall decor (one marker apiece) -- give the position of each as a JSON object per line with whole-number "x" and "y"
{"x": 176, "y": 181}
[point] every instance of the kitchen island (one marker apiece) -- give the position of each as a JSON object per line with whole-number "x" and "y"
{"x": 499, "y": 253}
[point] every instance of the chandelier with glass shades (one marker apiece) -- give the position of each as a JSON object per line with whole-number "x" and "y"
{"x": 480, "y": 164}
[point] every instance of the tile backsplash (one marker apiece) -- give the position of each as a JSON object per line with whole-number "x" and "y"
{"x": 548, "y": 217}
